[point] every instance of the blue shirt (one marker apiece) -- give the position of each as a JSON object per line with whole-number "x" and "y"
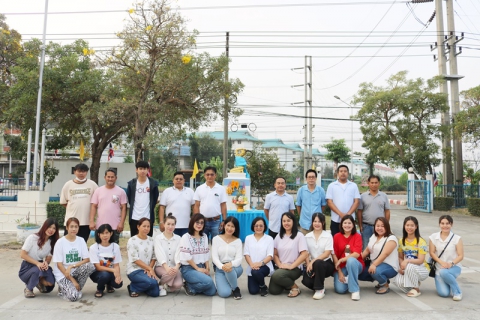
{"x": 343, "y": 196}
{"x": 310, "y": 202}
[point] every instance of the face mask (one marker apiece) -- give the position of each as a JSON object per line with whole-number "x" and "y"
{"x": 83, "y": 180}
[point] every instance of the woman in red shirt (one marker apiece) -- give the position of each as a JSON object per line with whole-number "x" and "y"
{"x": 347, "y": 257}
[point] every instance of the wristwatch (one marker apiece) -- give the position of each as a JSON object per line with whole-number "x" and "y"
{"x": 263, "y": 263}
{"x": 453, "y": 264}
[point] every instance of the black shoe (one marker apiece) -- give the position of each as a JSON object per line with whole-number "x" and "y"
{"x": 236, "y": 294}
{"x": 264, "y": 291}
{"x": 188, "y": 292}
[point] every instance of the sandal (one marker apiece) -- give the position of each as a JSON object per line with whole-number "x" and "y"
{"x": 383, "y": 290}
{"x": 132, "y": 294}
{"x": 28, "y": 293}
{"x": 41, "y": 288}
{"x": 98, "y": 294}
{"x": 413, "y": 293}
{"x": 291, "y": 293}
{"x": 110, "y": 289}
{"x": 378, "y": 286}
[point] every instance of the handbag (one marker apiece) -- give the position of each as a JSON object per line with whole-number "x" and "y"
{"x": 368, "y": 260}
{"x": 432, "y": 262}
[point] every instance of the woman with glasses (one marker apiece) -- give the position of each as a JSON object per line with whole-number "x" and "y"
{"x": 193, "y": 253}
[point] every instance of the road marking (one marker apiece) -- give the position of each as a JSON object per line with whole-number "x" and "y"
{"x": 472, "y": 260}
{"x": 218, "y": 305}
{"x": 417, "y": 303}
{"x": 7, "y": 305}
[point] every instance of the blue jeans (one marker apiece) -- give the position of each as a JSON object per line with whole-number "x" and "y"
{"x": 102, "y": 278}
{"x": 198, "y": 282}
{"x": 211, "y": 228}
{"x": 352, "y": 270}
{"x": 257, "y": 279}
{"x": 227, "y": 281}
{"x": 367, "y": 232}
{"x": 140, "y": 282}
{"x": 382, "y": 274}
{"x": 446, "y": 281}
{"x": 180, "y": 231}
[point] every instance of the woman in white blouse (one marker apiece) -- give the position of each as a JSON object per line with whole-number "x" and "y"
{"x": 319, "y": 261}
{"x": 448, "y": 266}
{"x": 383, "y": 255}
{"x": 168, "y": 269}
{"x": 227, "y": 257}
{"x": 141, "y": 260}
{"x": 258, "y": 251}
{"x": 193, "y": 254}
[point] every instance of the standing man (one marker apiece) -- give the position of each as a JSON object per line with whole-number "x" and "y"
{"x": 277, "y": 203}
{"x": 179, "y": 201}
{"x": 109, "y": 202}
{"x": 373, "y": 204}
{"x": 310, "y": 200}
{"x": 211, "y": 201}
{"x": 76, "y": 195}
{"x": 342, "y": 198}
{"x": 142, "y": 194}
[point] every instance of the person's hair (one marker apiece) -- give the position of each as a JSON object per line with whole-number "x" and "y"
{"x": 72, "y": 219}
{"x": 196, "y": 217}
{"x": 178, "y": 173}
{"x": 279, "y": 177}
{"x": 342, "y": 166}
{"x": 320, "y": 217}
{"x": 42, "y": 236}
{"x": 386, "y": 225}
{"x": 311, "y": 170}
{"x": 212, "y": 168}
{"x": 171, "y": 217}
{"x": 111, "y": 170}
{"x": 417, "y": 230}
{"x": 254, "y": 222}
{"x": 373, "y": 176}
{"x": 347, "y": 217}
{"x": 142, "y": 220}
{"x": 290, "y": 216}
{"x": 445, "y": 216}
{"x": 233, "y": 220}
{"x": 142, "y": 164}
{"x": 101, "y": 230}
{"x": 81, "y": 167}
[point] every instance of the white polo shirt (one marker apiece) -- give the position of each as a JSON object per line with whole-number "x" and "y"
{"x": 343, "y": 196}
{"x": 210, "y": 199}
{"x": 179, "y": 202}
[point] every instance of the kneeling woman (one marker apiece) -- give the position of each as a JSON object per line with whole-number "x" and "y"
{"x": 289, "y": 254}
{"x": 141, "y": 261}
{"x": 347, "y": 257}
{"x": 71, "y": 260}
{"x": 383, "y": 255}
{"x": 227, "y": 257}
{"x": 106, "y": 257}
{"x": 36, "y": 254}
{"x": 194, "y": 253}
{"x": 319, "y": 260}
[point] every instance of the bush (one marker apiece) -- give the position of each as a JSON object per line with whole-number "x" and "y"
{"x": 442, "y": 203}
{"x": 57, "y": 211}
{"x": 395, "y": 187}
{"x": 473, "y": 205}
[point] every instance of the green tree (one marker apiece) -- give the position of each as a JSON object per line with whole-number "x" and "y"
{"x": 204, "y": 147}
{"x": 467, "y": 121}
{"x": 396, "y": 121}
{"x": 18, "y": 146}
{"x": 337, "y": 152}
{"x": 216, "y": 162}
{"x": 402, "y": 180}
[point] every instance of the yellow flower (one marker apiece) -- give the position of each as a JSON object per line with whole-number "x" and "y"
{"x": 85, "y": 51}
{"x": 186, "y": 59}
{"x": 229, "y": 190}
{"x": 131, "y": 11}
{"x": 148, "y": 28}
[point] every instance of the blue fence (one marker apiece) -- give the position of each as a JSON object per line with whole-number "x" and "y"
{"x": 459, "y": 193}
{"x": 419, "y": 195}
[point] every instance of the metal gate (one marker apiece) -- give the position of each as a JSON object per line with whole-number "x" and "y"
{"x": 419, "y": 195}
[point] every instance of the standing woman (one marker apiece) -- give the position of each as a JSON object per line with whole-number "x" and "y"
{"x": 382, "y": 251}
{"x": 106, "y": 257}
{"x": 319, "y": 260}
{"x": 193, "y": 254}
{"x": 168, "y": 268}
{"x": 141, "y": 260}
{"x": 412, "y": 250}
{"x": 227, "y": 257}
{"x": 289, "y": 254}
{"x": 258, "y": 251}
{"x": 447, "y": 263}
{"x": 36, "y": 254}
{"x": 72, "y": 265}
{"x": 347, "y": 257}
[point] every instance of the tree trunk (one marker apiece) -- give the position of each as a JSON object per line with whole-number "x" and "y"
{"x": 95, "y": 167}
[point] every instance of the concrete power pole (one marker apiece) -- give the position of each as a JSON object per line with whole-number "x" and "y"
{"x": 225, "y": 116}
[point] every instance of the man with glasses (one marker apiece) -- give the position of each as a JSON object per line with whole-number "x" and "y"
{"x": 277, "y": 203}
{"x": 211, "y": 201}
{"x": 310, "y": 199}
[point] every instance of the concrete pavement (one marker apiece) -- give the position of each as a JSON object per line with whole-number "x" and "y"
{"x": 394, "y": 305}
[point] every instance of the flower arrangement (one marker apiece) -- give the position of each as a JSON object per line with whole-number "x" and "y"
{"x": 240, "y": 199}
{"x": 234, "y": 188}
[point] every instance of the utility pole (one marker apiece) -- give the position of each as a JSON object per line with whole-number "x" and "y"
{"x": 225, "y": 115}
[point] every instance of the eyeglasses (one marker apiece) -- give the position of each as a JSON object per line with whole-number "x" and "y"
{"x": 258, "y": 226}
{"x": 200, "y": 223}
{"x": 209, "y": 174}
{"x": 311, "y": 177}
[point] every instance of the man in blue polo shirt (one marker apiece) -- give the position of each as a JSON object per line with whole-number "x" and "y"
{"x": 310, "y": 200}
{"x": 343, "y": 198}
{"x": 277, "y": 203}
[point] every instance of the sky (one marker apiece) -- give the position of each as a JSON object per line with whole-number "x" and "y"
{"x": 350, "y": 41}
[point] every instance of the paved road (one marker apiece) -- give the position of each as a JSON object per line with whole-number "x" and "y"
{"x": 394, "y": 305}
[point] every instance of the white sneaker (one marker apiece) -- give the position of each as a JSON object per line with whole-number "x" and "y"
{"x": 163, "y": 292}
{"x": 319, "y": 294}
{"x": 457, "y": 297}
{"x": 356, "y": 296}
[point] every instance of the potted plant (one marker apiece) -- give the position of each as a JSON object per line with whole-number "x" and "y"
{"x": 24, "y": 229}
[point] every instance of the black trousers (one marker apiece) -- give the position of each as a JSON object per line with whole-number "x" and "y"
{"x": 321, "y": 269}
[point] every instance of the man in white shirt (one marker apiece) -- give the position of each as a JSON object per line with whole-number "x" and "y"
{"x": 211, "y": 201}
{"x": 177, "y": 200}
{"x": 277, "y": 203}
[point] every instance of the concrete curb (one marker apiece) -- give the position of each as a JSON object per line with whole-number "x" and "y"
{"x": 399, "y": 202}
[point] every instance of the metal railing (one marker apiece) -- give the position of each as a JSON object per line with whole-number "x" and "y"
{"x": 459, "y": 193}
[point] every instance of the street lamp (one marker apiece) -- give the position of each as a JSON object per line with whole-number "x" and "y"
{"x": 351, "y": 131}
